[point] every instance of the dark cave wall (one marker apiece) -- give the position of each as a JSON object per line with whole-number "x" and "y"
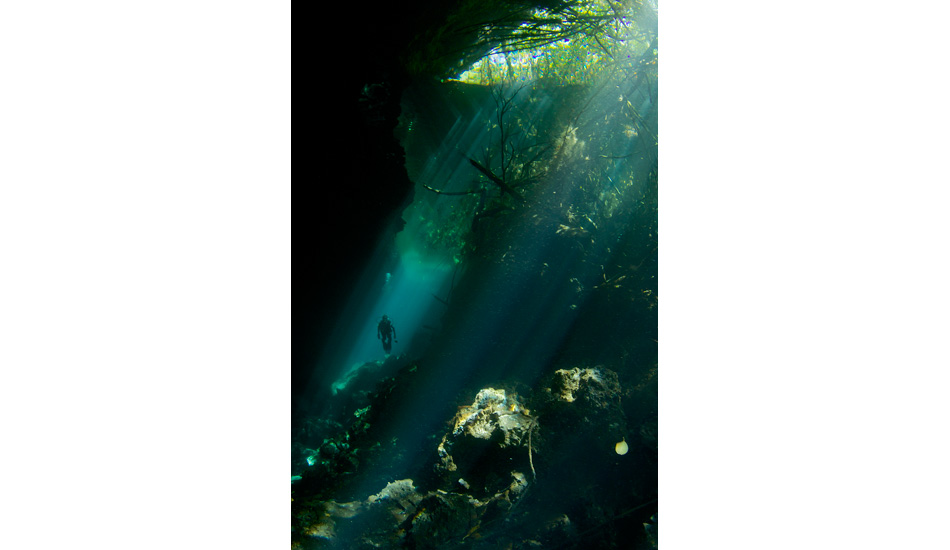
{"x": 350, "y": 183}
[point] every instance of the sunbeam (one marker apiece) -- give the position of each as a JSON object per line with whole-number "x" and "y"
{"x": 522, "y": 275}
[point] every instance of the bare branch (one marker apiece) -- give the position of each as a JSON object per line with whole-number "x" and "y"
{"x": 473, "y": 192}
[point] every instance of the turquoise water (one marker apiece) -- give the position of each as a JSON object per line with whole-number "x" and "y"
{"x": 518, "y": 404}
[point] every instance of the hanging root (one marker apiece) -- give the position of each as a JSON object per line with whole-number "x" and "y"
{"x": 530, "y": 460}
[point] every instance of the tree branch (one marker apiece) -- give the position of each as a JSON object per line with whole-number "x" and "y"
{"x": 473, "y": 192}
{"x": 496, "y": 180}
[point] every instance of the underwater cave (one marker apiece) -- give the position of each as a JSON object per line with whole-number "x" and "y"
{"x": 488, "y": 182}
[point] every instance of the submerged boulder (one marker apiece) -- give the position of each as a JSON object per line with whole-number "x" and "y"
{"x": 582, "y": 418}
{"x": 597, "y": 387}
{"x": 374, "y": 522}
{"x": 487, "y": 439}
{"x": 494, "y": 414}
{"x": 589, "y": 396}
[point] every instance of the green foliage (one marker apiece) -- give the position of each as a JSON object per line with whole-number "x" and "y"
{"x": 571, "y": 146}
{"x": 475, "y": 28}
{"x": 573, "y": 46}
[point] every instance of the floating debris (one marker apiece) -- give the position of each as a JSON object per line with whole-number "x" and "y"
{"x": 621, "y": 447}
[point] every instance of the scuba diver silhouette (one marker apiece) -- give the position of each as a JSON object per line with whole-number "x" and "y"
{"x": 387, "y": 332}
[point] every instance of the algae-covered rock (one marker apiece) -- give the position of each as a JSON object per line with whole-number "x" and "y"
{"x": 401, "y": 515}
{"x": 494, "y": 414}
{"x": 581, "y": 412}
{"x": 581, "y": 392}
{"x": 597, "y": 386}
{"x": 370, "y": 523}
{"x": 443, "y": 517}
{"x": 399, "y": 499}
{"x": 487, "y": 438}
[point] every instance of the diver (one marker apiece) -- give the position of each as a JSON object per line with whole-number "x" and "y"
{"x": 387, "y": 332}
